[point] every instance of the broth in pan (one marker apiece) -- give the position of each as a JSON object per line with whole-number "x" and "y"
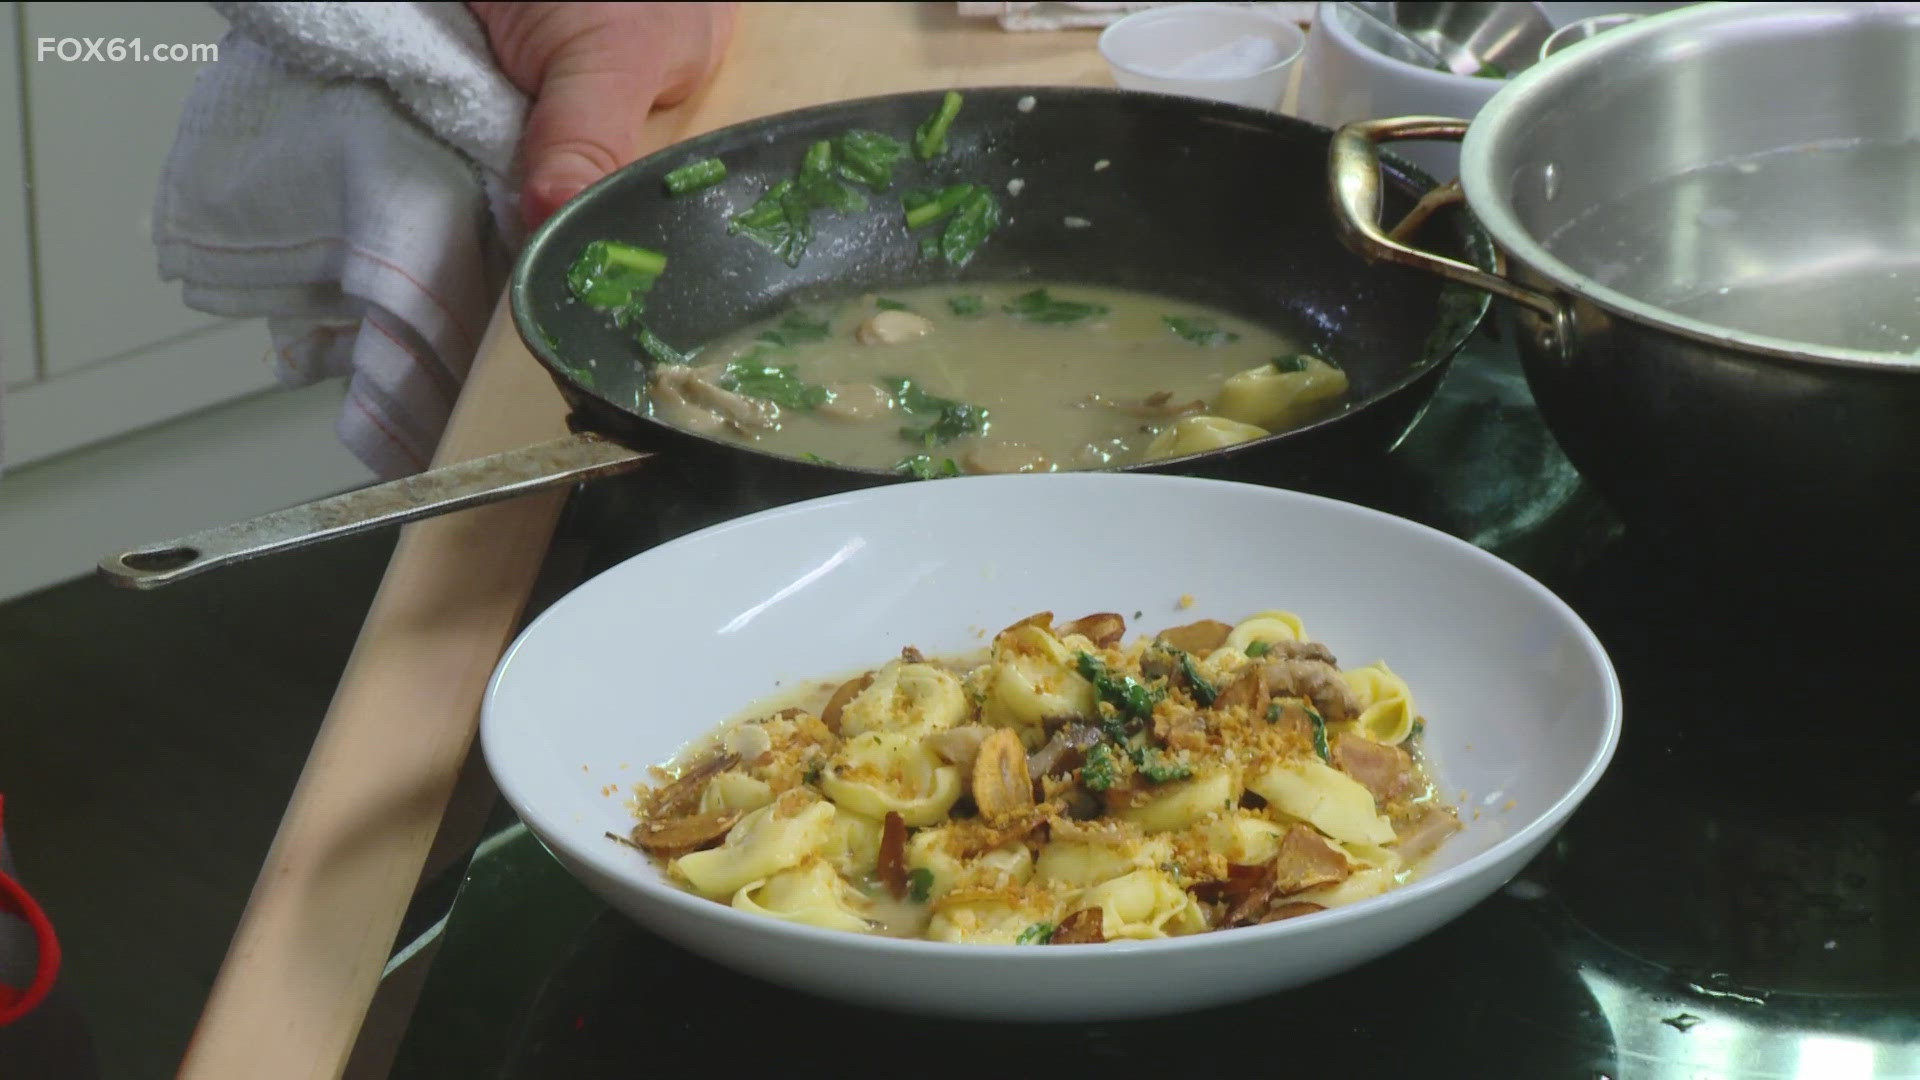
{"x": 950, "y": 379}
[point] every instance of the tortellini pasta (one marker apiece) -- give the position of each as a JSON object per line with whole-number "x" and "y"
{"x": 762, "y": 844}
{"x": 1281, "y": 395}
{"x": 1196, "y": 434}
{"x": 916, "y": 699}
{"x": 884, "y": 772}
{"x": 1325, "y": 798}
{"x": 1268, "y": 627}
{"x": 1156, "y": 788}
{"x": 811, "y": 893}
{"x": 1145, "y": 904}
{"x": 1387, "y": 716}
{"x": 1030, "y": 678}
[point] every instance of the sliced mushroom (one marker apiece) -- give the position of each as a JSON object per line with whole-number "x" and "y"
{"x": 700, "y": 387}
{"x": 1300, "y": 650}
{"x": 1104, "y": 629}
{"x": 1006, "y": 457}
{"x": 1064, "y": 752}
{"x": 830, "y": 715}
{"x": 959, "y": 745}
{"x": 1248, "y": 691}
{"x": 1316, "y": 680}
{"x": 684, "y": 794}
{"x": 1198, "y": 638}
{"x": 892, "y": 328}
{"x": 855, "y": 401}
{"x": 1002, "y": 786}
{"x": 672, "y": 406}
{"x": 679, "y": 835}
{"x": 1083, "y": 927}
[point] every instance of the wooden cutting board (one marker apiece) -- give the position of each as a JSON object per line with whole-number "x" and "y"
{"x": 308, "y": 955}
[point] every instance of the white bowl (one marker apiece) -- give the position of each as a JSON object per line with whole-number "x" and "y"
{"x": 1522, "y": 704}
{"x": 1148, "y": 50}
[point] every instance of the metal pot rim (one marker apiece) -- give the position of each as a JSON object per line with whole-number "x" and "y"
{"x": 1500, "y": 120}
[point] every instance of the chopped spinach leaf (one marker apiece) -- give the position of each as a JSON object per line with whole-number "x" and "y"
{"x": 1038, "y": 934}
{"x": 1289, "y": 364}
{"x": 888, "y": 304}
{"x": 930, "y": 139}
{"x": 1200, "y": 331}
{"x": 930, "y": 246}
{"x": 1319, "y": 733}
{"x": 927, "y": 207}
{"x": 657, "y": 350}
{"x": 1131, "y": 698}
{"x": 1157, "y": 769}
{"x": 1203, "y": 691}
{"x": 966, "y": 306}
{"x": 868, "y": 157}
{"x": 920, "y": 885}
{"x": 780, "y": 220}
{"x": 612, "y": 276}
{"x": 1258, "y": 649}
{"x": 695, "y": 175}
{"x": 1419, "y": 729}
{"x": 1040, "y": 306}
{"x": 1273, "y": 712}
{"x": 1096, "y": 773}
{"x": 797, "y": 328}
{"x": 976, "y": 217}
{"x": 813, "y": 772}
{"x": 923, "y": 467}
{"x": 752, "y": 376}
{"x": 947, "y": 419}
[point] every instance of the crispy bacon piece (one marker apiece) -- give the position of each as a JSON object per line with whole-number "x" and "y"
{"x": 1083, "y": 927}
{"x": 680, "y": 797}
{"x": 892, "y": 866}
{"x": 1002, "y": 786}
{"x": 1306, "y": 860}
{"x": 1241, "y": 896}
{"x": 1387, "y": 771}
{"x": 1198, "y": 638}
{"x": 679, "y": 835}
{"x": 1182, "y": 731}
{"x": 1104, "y": 629}
{"x": 847, "y": 691}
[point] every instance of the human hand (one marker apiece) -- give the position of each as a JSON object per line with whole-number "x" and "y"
{"x": 594, "y": 71}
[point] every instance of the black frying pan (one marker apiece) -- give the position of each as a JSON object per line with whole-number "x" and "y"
{"x": 1211, "y": 203}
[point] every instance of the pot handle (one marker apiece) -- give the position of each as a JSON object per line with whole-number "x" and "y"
{"x": 1353, "y": 172}
{"x": 573, "y": 459}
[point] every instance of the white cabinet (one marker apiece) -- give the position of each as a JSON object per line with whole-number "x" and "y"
{"x": 95, "y": 344}
{"x": 128, "y": 416}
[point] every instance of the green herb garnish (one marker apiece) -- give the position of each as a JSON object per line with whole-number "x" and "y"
{"x": 1040, "y": 306}
{"x": 1273, "y": 712}
{"x": 927, "y": 207}
{"x": 1319, "y": 734}
{"x": 1203, "y": 691}
{"x": 1096, "y": 773}
{"x": 797, "y": 328}
{"x": 695, "y": 175}
{"x": 1289, "y": 364}
{"x": 919, "y": 885}
{"x": 777, "y": 383}
{"x": 781, "y": 220}
{"x": 1131, "y": 698}
{"x": 612, "y": 276}
{"x": 1259, "y": 649}
{"x": 1200, "y": 331}
{"x": 966, "y": 306}
{"x": 930, "y": 139}
{"x": 813, "y": 772}
{"x": 946, "y": 419}
{"x": 923, "y": 467}
{"x": 1157, "y": 769}
{"x": 1419, "y": 729}
{"x": 1038, "y": 934}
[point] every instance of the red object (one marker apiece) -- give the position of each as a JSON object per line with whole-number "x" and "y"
{"x": 16, "y": 1003}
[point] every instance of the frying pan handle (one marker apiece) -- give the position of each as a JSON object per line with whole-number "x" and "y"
{"x": 1353, "y": 172}
{"x": 570, "y": 460}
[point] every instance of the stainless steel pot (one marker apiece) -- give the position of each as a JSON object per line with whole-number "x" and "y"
{"x": 1712, "y": 225}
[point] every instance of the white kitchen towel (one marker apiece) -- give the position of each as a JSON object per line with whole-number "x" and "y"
{"x": 346, "y": 171}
